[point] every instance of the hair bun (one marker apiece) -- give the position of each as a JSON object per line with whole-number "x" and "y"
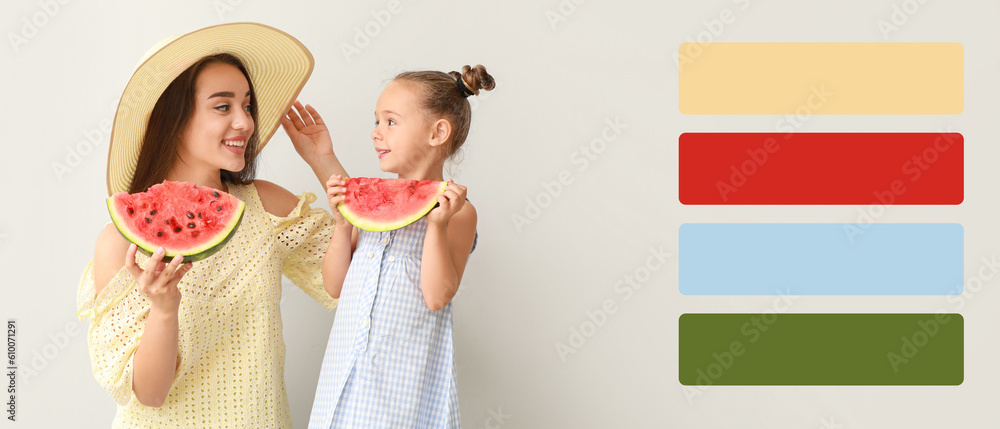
{"x": 475, "y": 78}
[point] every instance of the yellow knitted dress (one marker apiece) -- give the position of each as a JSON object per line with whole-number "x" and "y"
{"x": 231, "y": 353}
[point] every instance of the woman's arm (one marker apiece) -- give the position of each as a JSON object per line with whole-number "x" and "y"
{"x": 155, "y": 360}
{"x": 451, "y": 229}
{"x": 109, "y": 256}
{"x": 312, "y": 141}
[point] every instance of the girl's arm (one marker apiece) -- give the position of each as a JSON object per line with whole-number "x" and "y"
{"x": 312, "y": 141}
{"x": 342, "y": 244}
{"x": 451, "y": 229}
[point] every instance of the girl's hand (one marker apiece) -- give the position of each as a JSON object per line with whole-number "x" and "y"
{"x": 308, "y": 132}
{"x": 335, "y": 188}
{"x": 158, "y": 280}
{"x": 449, "y": 203}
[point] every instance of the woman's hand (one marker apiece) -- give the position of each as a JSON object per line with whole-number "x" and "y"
{"x": 308, "y": 133}
{"x": 158, "y": 280}
{"x": 449, "y": 203}
{"x": 335, "y": 188}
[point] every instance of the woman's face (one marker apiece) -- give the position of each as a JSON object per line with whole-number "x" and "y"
{"x": 221, "y": 125}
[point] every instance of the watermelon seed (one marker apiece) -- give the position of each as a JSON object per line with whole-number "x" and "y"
{"x": 190, "y": 215}
{"x": 159, "y": 234}
{"x": 199, "y": 215}
{"x": 215, "y": 194}
{"x": 148, "y": 220}
{"x": 130, "y": 211}
{"x": 177, "y": 230}
{"x": 190, "y": 225}
{"x": 152, "y": 213}
{"x": 218, "y": 209}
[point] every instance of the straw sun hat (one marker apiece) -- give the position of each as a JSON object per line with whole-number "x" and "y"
{"x": 277, "y": 63}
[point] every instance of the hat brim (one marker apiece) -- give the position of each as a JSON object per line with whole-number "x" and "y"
{"x": 278, "y": 65}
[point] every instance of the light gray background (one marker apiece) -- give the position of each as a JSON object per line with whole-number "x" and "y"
{"x": 525, "y": 289}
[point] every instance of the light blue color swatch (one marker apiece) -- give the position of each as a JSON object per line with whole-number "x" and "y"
{"x": 821, "y": 259}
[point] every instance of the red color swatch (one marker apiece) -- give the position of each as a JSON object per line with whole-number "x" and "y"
{"x": 821, "y": 168}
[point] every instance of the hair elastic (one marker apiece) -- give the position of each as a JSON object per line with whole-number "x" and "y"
{"x": 466, "y": 92}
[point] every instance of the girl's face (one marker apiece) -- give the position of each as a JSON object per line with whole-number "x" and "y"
{"x": 221, "y": 125}
{"x": 403, "y": 135}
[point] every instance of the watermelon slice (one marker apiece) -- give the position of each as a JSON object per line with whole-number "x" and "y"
{"x": 387, "y": 204}
{"x": 181, "y": 217}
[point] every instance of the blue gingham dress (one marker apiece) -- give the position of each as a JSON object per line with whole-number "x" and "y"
{"x": 389, "y": 362}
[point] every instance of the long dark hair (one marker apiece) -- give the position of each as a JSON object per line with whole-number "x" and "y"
{"x": 169, "y": 119}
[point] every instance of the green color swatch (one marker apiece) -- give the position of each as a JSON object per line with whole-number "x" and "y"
{"x": 821, "y": 349}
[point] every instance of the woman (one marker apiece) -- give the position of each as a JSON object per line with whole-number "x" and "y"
{"x": 201, "y": 345}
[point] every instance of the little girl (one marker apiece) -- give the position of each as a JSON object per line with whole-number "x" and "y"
{"x": 389, "y": 362}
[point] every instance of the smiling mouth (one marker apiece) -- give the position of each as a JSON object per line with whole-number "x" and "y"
{"x": 382, "y": 152}
{"x": 235, "y": 141}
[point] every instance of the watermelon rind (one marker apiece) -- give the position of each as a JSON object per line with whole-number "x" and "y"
{"x": 193, "y": 255}
{"x": 361, "y": 222}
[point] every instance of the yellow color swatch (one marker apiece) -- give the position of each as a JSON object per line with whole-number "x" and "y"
{"x": 821, "y": 78}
